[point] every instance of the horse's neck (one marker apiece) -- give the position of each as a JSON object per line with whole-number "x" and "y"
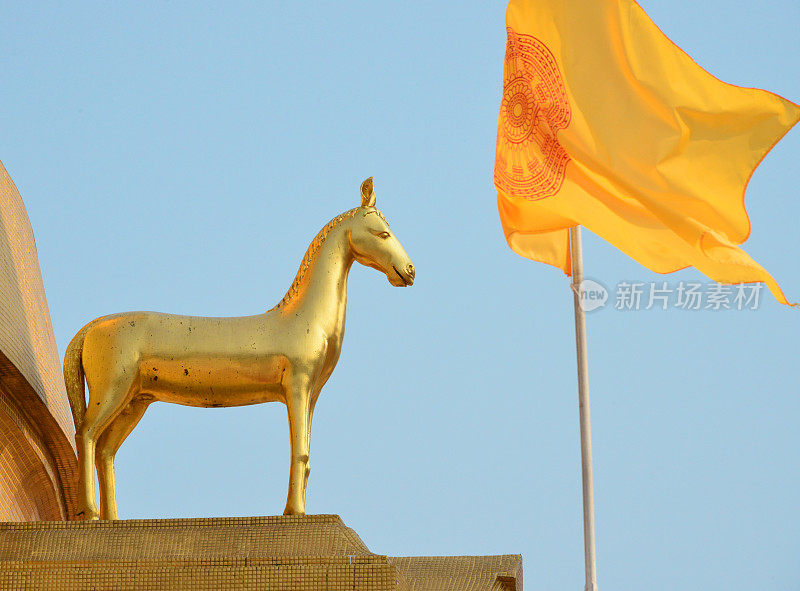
{"x": 321, "y": 295}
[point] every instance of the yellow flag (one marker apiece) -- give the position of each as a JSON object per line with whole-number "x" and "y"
{"x": 606, "y": 123}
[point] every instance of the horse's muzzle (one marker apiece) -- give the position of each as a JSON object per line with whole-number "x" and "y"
{"x": 406, "y": 276}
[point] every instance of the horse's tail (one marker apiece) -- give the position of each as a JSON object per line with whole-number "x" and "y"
{"x": 74, "y": 378}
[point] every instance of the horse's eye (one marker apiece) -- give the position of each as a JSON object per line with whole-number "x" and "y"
{"x": 384, "y": 235}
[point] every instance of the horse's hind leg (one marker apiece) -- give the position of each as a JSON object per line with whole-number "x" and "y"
{"x": 106, "y": 400}
{"x": 107, "y": 447}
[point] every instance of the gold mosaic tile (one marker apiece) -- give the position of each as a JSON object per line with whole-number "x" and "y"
{"x": 37, "y": 480}
{"x": 292, "y": 553}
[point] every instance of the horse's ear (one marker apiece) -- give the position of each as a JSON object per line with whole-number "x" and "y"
{"x": 367, "y": 193}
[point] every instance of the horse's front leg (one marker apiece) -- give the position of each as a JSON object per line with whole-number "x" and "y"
{"x": 298, "y": 406}
{"x": 308, "y": 446}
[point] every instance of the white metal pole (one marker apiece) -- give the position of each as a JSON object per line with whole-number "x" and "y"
{"x": 583, "y": 403}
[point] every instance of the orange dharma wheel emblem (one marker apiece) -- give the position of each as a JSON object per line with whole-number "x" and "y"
{"x": 530, "y": 162}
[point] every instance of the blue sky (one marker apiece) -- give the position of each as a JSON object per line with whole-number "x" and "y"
{"x": 179, "y": 157}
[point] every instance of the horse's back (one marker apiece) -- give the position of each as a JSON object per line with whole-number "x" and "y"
{"x": 154, "y": 332}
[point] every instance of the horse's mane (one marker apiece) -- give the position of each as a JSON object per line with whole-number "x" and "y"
{"x": 311, "y": 253}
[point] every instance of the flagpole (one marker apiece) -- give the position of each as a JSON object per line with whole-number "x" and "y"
{"x": 576, "y": 252}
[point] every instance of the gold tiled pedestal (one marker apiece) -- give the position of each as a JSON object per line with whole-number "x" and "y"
{"x": 310, "y": 553}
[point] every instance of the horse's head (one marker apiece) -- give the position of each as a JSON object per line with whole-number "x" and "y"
{"x": 375, "y": 245}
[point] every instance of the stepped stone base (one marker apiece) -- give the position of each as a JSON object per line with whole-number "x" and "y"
{"x": 310, "y": 553}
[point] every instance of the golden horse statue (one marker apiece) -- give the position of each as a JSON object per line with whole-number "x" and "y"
{"x": 287, "y": 354}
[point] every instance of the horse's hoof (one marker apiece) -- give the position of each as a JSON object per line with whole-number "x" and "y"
{"x": 88, "y": 515}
